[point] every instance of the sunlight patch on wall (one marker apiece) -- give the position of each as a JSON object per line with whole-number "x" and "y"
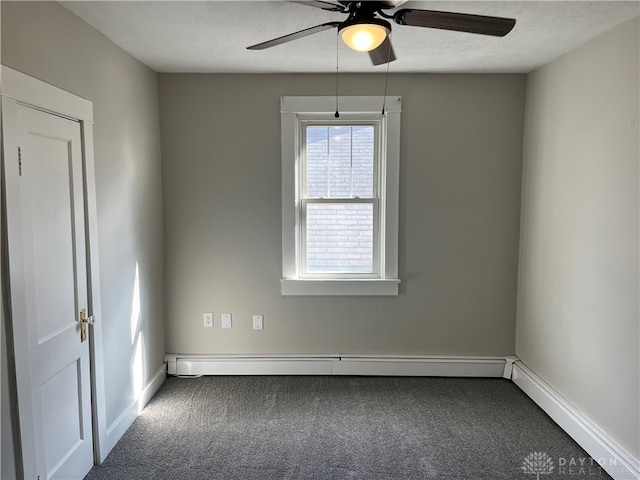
{"x": 138, "y": 363}
{"x": 135, "y": 306}
{"x": 138, "y": 368}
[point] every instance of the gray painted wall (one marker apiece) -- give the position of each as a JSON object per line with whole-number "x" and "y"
{"x": 461, "y": 158}
{"x": 578, "y": 315}
{"x": 44, "y": 40}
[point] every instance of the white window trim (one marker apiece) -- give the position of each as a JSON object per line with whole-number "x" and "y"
{"x": 291, "y": 108}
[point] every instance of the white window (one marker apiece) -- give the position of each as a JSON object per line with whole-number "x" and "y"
{"x": 340, "y": 195}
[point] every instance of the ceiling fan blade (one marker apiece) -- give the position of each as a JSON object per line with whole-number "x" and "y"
{"x": 460, "y": 22}
{"x": 383, "y": 54}
{"x": 332, "y": 7}
{"x": 294, "y": 36}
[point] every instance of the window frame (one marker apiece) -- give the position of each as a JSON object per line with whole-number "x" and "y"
{"x": 296, "y": 113}
{"x": 304, "y": 200}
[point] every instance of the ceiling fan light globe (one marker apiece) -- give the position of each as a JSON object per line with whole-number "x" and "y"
{"x": 364, "y": 37}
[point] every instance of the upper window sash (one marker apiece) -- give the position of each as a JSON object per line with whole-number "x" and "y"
{"x": 351, "y": 120}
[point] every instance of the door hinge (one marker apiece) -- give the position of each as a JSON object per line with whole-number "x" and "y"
{"x": 20, "y": 161}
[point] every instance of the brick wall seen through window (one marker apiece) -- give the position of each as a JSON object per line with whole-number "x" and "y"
{"x": 340, "y": 165}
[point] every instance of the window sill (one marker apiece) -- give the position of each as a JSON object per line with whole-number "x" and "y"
{"x": 362, "y": 287}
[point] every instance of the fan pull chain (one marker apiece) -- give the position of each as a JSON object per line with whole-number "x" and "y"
{"x": 386, "y": 77}
{"x": 337, "y": 114}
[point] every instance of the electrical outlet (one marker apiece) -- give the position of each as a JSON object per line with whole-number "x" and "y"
{"x": 226, "y": 320}
{"x": 207, "y": 318}
{"x": 258, "y": 322}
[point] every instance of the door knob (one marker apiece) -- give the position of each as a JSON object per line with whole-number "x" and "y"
{"x": 84, "y": 321}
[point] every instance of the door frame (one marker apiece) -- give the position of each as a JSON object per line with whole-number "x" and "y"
{"x": 2, "y": 267}
{"x": 21, "y": 89}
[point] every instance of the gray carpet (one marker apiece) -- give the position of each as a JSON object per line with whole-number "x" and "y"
{"x": 329, "y": 428}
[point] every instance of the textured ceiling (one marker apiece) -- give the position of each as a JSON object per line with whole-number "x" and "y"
{"x": 212, "y": 36}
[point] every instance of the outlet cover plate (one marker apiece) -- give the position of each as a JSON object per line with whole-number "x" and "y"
{"x": 226, "y": 320}
{"x": 258, "y": 322}
{"x": 207, "y": 318}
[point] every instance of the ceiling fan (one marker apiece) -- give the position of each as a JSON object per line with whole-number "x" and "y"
{"x": 367, "y": 28}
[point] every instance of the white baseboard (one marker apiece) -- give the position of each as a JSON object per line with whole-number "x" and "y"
{"x": 118, "y": 428}
{"x": 336, "y": 364}
{"x": 616, "y": 461}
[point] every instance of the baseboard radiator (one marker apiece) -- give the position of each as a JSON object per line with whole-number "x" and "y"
{"x": 339, "y": 364}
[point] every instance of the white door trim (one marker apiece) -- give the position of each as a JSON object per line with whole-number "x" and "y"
{"x": 19, "y": 88}
{"x": 2, "y": 267}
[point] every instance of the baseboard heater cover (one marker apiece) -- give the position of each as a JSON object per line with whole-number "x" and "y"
{"x": 339, "y": 364}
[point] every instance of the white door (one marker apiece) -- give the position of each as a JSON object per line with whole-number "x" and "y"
{"x": 48, "y": 264}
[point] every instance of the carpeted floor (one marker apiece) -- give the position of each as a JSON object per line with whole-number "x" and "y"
{"x": 337, "y": 427}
